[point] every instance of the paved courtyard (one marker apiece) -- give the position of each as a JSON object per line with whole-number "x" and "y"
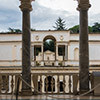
{"x": 49, "y": 97}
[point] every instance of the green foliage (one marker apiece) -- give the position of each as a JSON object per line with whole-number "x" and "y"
{"x": 33, "y": 29}
{"x": 92, "y": 29}
{"x": 96, "y": 27}
{"x": 74, "y": 29}
{"x": 12, "y": 30}
{"x": 49, "y": 45}
{"x": 60, "y": 24}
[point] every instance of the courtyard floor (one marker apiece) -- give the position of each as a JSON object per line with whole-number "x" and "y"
{"x": 49, "y": 97}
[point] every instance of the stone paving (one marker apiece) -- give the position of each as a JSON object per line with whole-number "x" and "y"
{"x": 49, "y": 97}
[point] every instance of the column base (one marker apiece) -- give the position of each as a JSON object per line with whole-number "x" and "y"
{"x": 66, "y": 63}
{"x": 35, "y": 93}
{"x": 56, "y": 63}
{"x": 42, "y": 63}
{"x": 26, "y": 93}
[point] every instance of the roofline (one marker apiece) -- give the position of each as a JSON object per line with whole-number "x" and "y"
{"x": 46, "y": 31}
{"x": 35, "y": 31}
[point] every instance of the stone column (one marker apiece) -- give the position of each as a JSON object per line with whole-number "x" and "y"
{"x": 56, "y": 55}
{"x": 66, "y": 52}
{"x": 32, "y": 56}
{"x": 32, "y": 53}
{"x": 26, "y": 39}
{"x": 83, "y": 44}
{"x": 42, "y": 62}
{"x": 56, "y": 52}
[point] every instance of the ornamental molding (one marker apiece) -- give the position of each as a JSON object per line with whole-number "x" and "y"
{"x": 37, "y": 37}
{"x": 61, "y": 37}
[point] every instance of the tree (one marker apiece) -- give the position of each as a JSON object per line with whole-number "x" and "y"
{"x": 12, "y": 30}
{"x": 90, "y": 29}
{"x": 96, "y": 27}
{"x": 17, "y": 31}
{"x": 33, "y": 29}
{"x": 75, "y": 29}
{"x": 60, "y": 24}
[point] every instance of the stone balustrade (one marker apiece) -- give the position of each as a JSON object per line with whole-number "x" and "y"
{"x": 42, "y": 83}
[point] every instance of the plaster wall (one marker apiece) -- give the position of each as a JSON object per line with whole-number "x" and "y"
{"x": 57, "y": 34}
{"x": 11, "y": 45}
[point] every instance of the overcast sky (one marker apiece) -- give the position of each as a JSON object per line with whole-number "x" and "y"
{"x": 45, "y": 13}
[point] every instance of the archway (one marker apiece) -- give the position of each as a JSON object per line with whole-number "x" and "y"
{"x": 49, "y": 49}
{"x": 49, "y": 41}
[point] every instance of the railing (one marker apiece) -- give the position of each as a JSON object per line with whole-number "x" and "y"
{"x": 8, "y": 83}
{"x": 55, "y": 83}
{"x": 42, "y": 83}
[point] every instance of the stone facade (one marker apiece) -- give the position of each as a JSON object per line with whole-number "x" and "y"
{"x": 11, "y": 47}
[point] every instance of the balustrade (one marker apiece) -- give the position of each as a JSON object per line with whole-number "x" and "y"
{"x": 43, "y": 83}
{"x": 7, "y": 83}
{"x": 56, "y": 83}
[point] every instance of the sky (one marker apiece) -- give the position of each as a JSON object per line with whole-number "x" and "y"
{"x": 45, "y": 13}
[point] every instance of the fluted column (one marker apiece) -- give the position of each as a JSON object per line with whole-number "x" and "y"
{"x": 26, "y": 39}
{"x": 83, "y": 44}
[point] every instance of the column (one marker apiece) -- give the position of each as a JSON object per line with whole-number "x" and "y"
{"x": 42, "y": 52}
{"x": 56, "y": 55}
{"x": 66, "y": 54}
{"x": 42, "y": 62}
{"x": 26, "y": 39}
{"x": 56, "y": 52}
{"x": 83, "y": 44}
{"x": 32, "y": 53}
{"x": 32, "y": 56}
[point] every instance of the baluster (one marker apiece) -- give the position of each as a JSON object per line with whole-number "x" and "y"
{"x": 58, "y": 91}
{"x": 64, "y": 83}
{"x": 6, "y": 83}
{"x": 41, "y": 84}
{"x": 52, "y": 84}
{"x": 12, "y": 84}
{"x": 3, "y": 83}
{"x": 0, "y": 83}
{"x": 70, "y": 84}
{"x": 46, "y": 84}
{"x": 16, "y": 82}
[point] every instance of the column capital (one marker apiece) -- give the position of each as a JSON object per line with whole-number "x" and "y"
{"x": 26, "y": 5}
{"x": 83, "y": 5}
